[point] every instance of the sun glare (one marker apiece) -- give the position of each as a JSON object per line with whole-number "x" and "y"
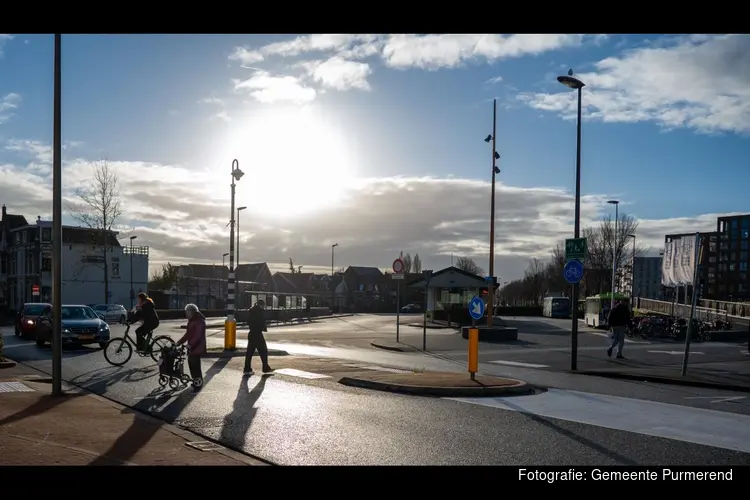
{"x": 294, "y": 163}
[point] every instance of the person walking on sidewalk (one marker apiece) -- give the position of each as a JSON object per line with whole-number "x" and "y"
{"x": 195, "y": 336}
{"x": 618, "y": 321}
{"x": 256, "y": 322}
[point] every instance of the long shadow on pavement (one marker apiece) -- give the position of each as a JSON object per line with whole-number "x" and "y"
{"x": 136, "y": 436}
{"x": 237, "y": 424}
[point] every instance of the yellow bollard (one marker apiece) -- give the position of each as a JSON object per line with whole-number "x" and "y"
{"x": 473, "y": 352}
{"x": 230, "y": 334}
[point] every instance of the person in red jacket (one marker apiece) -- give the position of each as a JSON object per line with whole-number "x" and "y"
{"x": 195, "y": 336}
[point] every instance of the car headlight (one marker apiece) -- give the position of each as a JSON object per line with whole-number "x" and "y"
{"x": 66, "y": 331}
{"x": 30, "y": 322}
{"x": 104, "y": 327}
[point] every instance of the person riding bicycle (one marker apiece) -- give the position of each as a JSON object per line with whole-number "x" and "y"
{"x": 146, "y": 312}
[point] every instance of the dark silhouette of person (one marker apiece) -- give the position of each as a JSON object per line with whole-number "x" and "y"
{"x": 256, "y": 322}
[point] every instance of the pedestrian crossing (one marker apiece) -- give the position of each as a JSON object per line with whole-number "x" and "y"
{"x": 725, "y": 430}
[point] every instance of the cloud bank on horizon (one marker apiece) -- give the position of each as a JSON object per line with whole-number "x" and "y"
{"x": 697, "y": 83}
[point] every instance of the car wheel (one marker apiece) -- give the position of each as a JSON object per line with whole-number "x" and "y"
{"x": 123, "y": 319}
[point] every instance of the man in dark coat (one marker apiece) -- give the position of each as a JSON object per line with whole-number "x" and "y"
{"x": 256, "y": 323}
{"x": 618, "y": 321}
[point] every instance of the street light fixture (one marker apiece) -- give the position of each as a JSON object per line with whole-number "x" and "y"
{"x": 238, "y": 234}
{"x": 495, "y": 170}
{"x": 575, "y": 84}
{"x": 230, "y": 325}
{"x": 132, "y": 290}
{"x": 616, "y": 203}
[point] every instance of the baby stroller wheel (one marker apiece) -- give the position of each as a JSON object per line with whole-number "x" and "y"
{"x": 174, "y": 383}
{"x": 163, "y": 380}
{"x": 197, "y": 382}
{"x": 185, "y": 379}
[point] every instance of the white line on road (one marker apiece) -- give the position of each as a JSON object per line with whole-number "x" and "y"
{"x": 718, "y": 400}
{"x": 517, "y": 363}
{"x": 683, "y": 423}
{"x": 675, "y": 353}
{"x": 291, "y": 372}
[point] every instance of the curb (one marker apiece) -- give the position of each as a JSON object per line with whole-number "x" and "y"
{"x": 241, "y": 353}
{"x": 665, "y": 380}
{"x": 519, "y": 389}
{"x": 431, "y": 327}
{"x": 394, "y": 348}
{"x": 7, "y": 363}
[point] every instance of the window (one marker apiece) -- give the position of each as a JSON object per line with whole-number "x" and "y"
{"x": 732, "y": 266}
{"x": 743, "y": 245}
{"x": 24, "y": 236}
{"x": 743, "y": 266}
{"x": 46, "y": 262}
{"x": 743, "y": 255}
{"x": 735, "y": 224}
{"x": 115, "y": 269}
{"x": 46, "y": 234}
{"x": 745, "y": 234}
{"x": 746, "y": 223}
{"x": 18, "y": 238}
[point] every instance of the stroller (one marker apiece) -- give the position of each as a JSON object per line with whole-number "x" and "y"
{"x": 172, "y": 367}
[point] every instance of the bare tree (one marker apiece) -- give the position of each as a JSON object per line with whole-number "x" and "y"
{"x": 292, "y": 269}
{"x": 99, "y": 208}
{"x": 416, "y": 264}
{"x": 407, "y": 262}
{"x": 467, "y": 264}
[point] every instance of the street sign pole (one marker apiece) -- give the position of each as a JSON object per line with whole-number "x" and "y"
{"x": 398, "y": 308}
{"x": 473, "y": 352}
{"x": 427, "y": 275}
{"x": 692, "y": 304}
{"x": 576, "y": 248}
{"x": 57, "y": 239}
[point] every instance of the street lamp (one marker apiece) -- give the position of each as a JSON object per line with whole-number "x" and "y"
{"x": 616, "y": 203}
{"x": 132, "y": 291}
{"x": 495, "y": 171}
{"x": 332, "y": 289}
{"x": 238, "y": 234}
{"x": 575, "y": 84}
{"x": 632, "y": 271}
{"x": 230, "y": 325}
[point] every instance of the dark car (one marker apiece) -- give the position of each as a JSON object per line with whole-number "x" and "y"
{"x": 26, "y": 321}
{"x": 80, "y": 326}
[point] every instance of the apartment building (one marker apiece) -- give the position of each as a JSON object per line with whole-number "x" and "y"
{"x": 733, "y": 259}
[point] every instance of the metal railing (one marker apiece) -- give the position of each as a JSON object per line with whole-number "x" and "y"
{"x": 683, "y": 311}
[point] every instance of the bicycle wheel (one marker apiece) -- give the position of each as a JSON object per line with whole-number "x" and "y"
{"x": 117, "y": 352}
{"x": 160, "y": 343}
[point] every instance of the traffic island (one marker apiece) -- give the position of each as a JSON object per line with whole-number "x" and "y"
{"x": 393, "y": 346}
{"x": 492, "y": 333}
{"x": 439, "y": 384}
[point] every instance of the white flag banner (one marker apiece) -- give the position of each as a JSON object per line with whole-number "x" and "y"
{"x": 678, "y": 265}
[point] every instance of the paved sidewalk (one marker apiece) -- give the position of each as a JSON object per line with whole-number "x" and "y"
{"x": 733, "y": 376}
{"x": 37, "y": 428}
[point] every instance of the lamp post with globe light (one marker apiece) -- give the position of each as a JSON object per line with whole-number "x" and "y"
{"x": 230, "y": 325}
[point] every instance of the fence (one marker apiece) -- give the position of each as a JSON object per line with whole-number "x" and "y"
{"x": 704, "y": 313}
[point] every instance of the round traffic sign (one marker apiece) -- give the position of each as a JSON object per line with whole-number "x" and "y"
{"x": 573, "y": 271}
{"x": 398, "y": 266}
{"x": 476, "y": 308}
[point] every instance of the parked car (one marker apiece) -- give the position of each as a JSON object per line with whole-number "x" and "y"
{"x": 113, "y": 313}
{"x": 411, "y": 308}
{"x": 80, "y": 326}
{"x": 26, "y": 321}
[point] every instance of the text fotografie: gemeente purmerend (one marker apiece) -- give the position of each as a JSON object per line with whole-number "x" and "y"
{"x": 595, "y": 474}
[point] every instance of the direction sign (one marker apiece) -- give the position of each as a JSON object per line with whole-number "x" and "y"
{"x": 398, "y": 266}
{"x": 575, "y": 248}
{"x": 476, "y": 308}
{"x": 573, "y": 271}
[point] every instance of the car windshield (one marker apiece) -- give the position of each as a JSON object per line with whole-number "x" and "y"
{"x": 35, "y": 310}
{"x": 78, "y": 312}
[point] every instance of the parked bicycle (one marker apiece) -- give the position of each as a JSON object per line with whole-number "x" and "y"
{"x": 118, "y": 351}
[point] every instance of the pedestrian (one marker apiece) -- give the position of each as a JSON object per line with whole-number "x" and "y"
{"x": 195, "y": 336}
{"x": 618, "y": 321}
{"x": 256, "y": 323}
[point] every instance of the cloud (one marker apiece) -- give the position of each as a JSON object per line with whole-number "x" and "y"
{"x": 8, "y": 105}
{"x": 307, "y": 44}
{"x": 3, "y": 40}
{"x": 495, "y": 80}
{"x": 265, "y": 88}
{"x": 221, "y": 113}
{"x": 435, "y": 217}
{"x": 339, "y": 74}
{"x": 699, "y": 82}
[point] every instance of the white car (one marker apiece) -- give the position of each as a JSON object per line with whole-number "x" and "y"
{"x": 113, "y": 313}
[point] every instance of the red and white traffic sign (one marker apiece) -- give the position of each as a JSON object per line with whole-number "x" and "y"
{"x": 398, "y": 266}
{"x": 35, "y": 290}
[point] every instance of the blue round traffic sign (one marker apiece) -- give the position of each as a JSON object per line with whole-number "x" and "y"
{"x": 573, "y": 271}
{"x": 476, "y": 308}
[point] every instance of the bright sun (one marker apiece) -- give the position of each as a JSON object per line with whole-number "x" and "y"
{"x": 294, "y": 163}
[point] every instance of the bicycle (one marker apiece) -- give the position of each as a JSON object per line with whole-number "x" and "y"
{"x": 124, "y": 346}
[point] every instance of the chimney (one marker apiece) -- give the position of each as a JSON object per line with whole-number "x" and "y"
{"x": 4, "y": 211}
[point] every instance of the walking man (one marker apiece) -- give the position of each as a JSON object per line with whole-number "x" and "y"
{"x": 256, "y": 322}
{"x": 618, "y": 321}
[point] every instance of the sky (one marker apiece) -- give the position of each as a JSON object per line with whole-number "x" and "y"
{"x": 376, "y": 142}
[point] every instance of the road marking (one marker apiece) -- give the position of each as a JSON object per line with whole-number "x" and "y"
{"x": 675, "y": 353}
{"x": 718, "y": 400}
{"x": 517, "y": 363}
{"x": 299, "y": 373}
{"x": 683, "y": 423}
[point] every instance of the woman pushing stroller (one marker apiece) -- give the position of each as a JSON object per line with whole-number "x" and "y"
{"x": 195, "y": 337}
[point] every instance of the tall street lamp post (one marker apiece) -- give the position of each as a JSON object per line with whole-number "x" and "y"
{"x": 616, "y": 203}
{"x": 57, "y": 239}
{"x": 132, "y": 290}
{"x": 575, "y": 84}
{"x": 230, "y": 325}
{"x": 238, "y": 234}
{"x": 223, "y": 266}
{"x": 495, "y": 171}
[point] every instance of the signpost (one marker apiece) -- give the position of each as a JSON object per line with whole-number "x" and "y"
{"x": 398, "y": 274}
{"x": 476, "y": 311}
{"x": 573, "y": 271}
{"x": 576, "y": 248}
{"x": 35, "y": 290}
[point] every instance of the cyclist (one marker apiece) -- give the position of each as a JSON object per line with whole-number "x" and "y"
{"x": 146, "y": 312}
